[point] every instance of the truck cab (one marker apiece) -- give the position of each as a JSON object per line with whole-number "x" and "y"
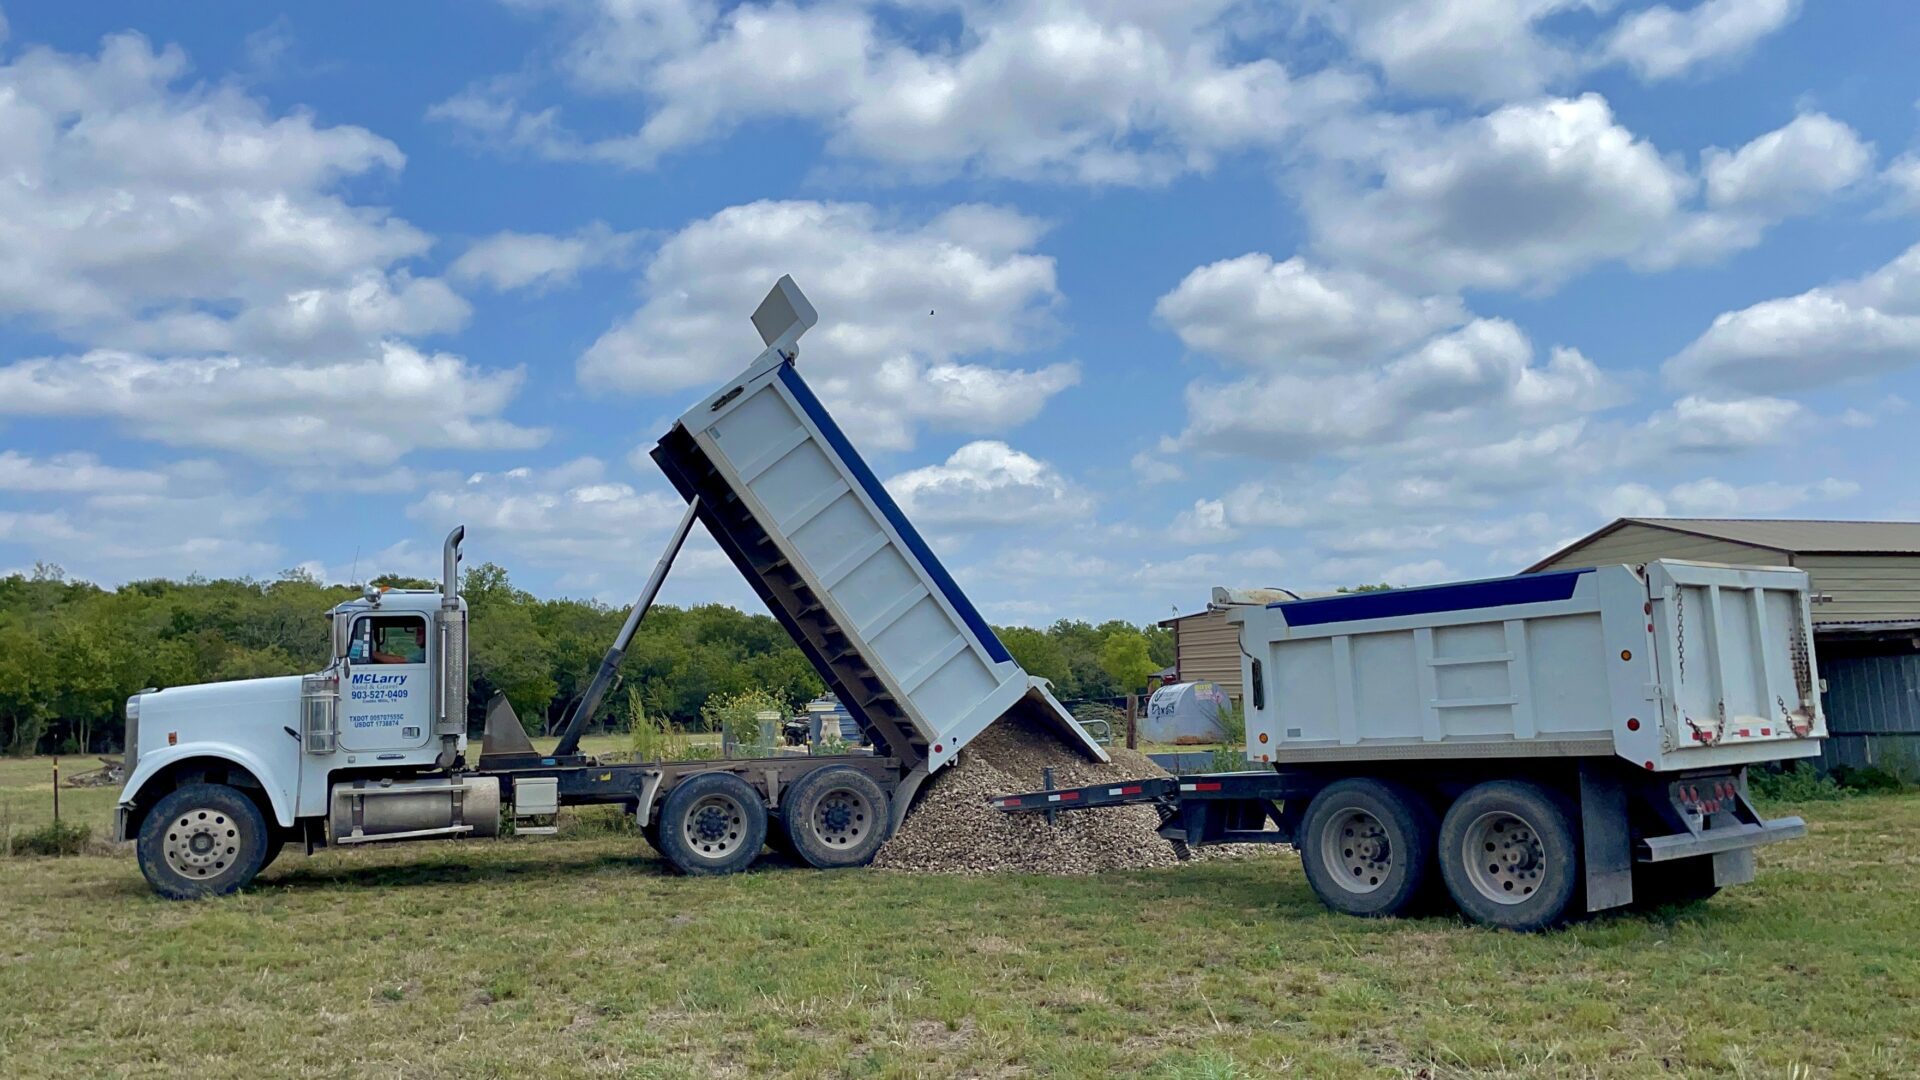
{"x": 237, "y": 768}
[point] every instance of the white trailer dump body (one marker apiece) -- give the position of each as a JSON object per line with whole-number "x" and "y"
{"x": 1675, "y": 666}
{"x": 785, "y": 494}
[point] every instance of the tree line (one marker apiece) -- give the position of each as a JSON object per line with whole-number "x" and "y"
{"x": 71, "y": 652}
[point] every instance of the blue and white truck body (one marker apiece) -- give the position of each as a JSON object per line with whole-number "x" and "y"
{"x": 1538, "y": 744}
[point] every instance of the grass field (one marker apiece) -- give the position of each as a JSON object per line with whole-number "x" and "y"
{"x": 581, "y": 955}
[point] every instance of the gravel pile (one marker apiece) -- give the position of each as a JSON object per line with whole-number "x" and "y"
{"x": 952, "y": 830}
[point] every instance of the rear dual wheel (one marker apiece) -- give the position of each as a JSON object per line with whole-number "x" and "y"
{"x": 834, "y": 818}
{"x": 711, "y": 824}
{"x": 1510, "y": 855}
{"x": 1367, "y": 847}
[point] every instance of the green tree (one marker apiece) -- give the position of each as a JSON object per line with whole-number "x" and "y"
{"x": 1124, "y": 657}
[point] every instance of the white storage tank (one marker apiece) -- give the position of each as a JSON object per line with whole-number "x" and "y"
{"x": 1186, "y": 712}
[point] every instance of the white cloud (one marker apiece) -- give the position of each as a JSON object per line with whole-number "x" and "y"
{"x": 1812, "y": 156}
{"x": 1536, "y": 192}
{"x": 1150, "y": 468}
{"x": 1256, "y": 311}
{"x": 1520, "y": 198}
{"x": 366, "y": 411}
{"x": 143, "y": 214}
{"x": 512, "y": 260}
{"x": 111, "y": 525}
{"x": 1853, "y": 329}
{"x": 1481, "y": 50}
{"x": 1716, "y": 425}
{"x": 567, "y": 515}
{"x": 1205, "y": 523}
{"x": 1661, "y": 43}
{"x": 70, "y": 472}
{"x": 900, "y": 304}
{"x": 1099, "y": 91}
{"x": 219, "y": 286}
{"x": 1902, "y": 175}
{"x": 988, "y": 484}
{"x": 1712, "y": 497}
{"x": 1472, "y": 384}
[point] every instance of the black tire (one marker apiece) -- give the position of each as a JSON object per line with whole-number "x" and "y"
{"x": 1680, "y": 882}
{"x": 777, "y": 840}
{"x": 714, "y": 823}
{"x": 651, "y": 831}
{"x": 276, "y": 840}
{"x": 835, "y": 818}
{"x": 1367, "y": 847}
{"x": 1511, "y": 856}
{"x": 202, "y": 840}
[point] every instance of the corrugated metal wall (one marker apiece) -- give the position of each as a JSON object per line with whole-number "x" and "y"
{"x": 1208, "y": 648}
{"x": 1632, "y": 543}
{"x": 1873, "y": 711}
{"x": 1864, "y": 588}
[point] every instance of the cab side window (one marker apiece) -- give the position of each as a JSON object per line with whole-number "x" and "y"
{"x": 391, "y": 639}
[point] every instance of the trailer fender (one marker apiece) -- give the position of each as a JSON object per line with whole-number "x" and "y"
{"x": 159, "y": 762}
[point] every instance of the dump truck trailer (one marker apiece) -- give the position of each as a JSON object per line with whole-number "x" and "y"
{"x": 374, "y": 747}
{"x": 1530, "y": 747}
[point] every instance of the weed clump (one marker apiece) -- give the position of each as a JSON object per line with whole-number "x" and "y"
{"x": 53, "y": 838}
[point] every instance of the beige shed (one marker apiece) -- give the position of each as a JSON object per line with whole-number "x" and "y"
{"x": 1868, "y": 571}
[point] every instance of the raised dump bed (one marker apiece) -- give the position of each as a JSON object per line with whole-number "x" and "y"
{"x": 791, "y": 502}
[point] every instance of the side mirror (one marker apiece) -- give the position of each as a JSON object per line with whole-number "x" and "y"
{"x": 342, "y": 628}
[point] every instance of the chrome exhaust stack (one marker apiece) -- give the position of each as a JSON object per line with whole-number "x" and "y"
{"x": 451, "y": 725}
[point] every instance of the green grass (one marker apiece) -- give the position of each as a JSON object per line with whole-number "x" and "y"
{"x": 583, "y": 956}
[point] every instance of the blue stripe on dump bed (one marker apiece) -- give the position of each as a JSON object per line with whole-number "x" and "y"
{"x": 803, "y": 394}
{"x": 1432, "y": 599}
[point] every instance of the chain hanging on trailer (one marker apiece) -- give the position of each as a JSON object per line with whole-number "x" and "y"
{"x": 1680, "y": 627}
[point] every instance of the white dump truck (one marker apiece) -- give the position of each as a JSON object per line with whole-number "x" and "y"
{"x": 374, "y": 748}
{"x": 1532, "y": 746}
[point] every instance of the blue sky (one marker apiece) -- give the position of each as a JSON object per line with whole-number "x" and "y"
{"x": 1294, "y": 294}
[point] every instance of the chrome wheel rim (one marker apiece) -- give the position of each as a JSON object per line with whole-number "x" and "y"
{"x": 841, "y": 818}
{"x": 202, "y": 843}
{"x": 715, "y": 827}
{"x": 1504, "y": 857}
{"x": 1355, "y": 850}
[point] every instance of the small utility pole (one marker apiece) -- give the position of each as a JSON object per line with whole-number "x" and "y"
{"x": 56, "y": 794}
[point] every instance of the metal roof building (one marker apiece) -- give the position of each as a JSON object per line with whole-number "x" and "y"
{"x": 1868, "y": 570}
{"x": 1866, "y": 580}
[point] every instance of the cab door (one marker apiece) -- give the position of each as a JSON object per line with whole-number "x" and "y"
{"x": 387, "y": 704}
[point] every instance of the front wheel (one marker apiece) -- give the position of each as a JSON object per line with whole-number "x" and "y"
{"x": 1367, "y": 847}
{"x": 1510, "y": 856}
{"x": 202, "y": 840}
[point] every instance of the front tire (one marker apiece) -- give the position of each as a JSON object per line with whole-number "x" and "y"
{"x": 1510, "y": 855}
{"x": 714, "y": 823}
{"x": 202, "y": 840}
{"x": 1367, "y": 847}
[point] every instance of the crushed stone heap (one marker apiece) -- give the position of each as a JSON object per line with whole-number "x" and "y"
{"x": 953, "y": 830}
